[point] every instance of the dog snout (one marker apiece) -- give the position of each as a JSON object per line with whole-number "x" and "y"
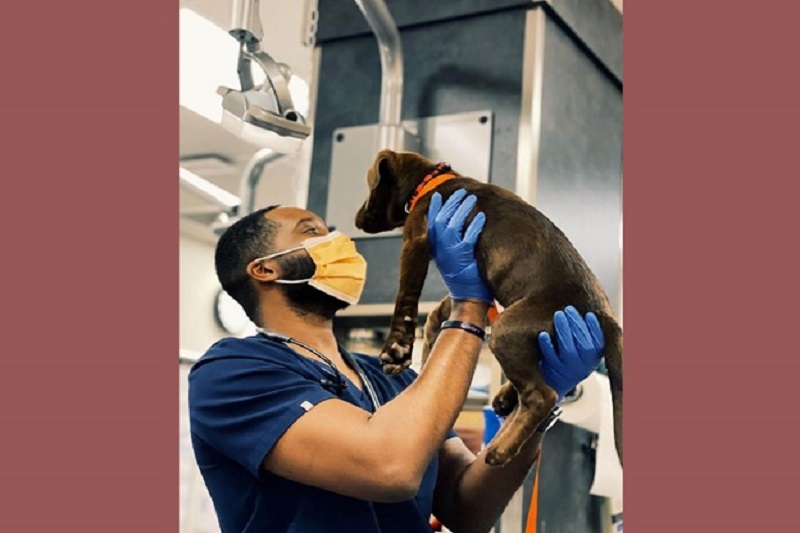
{"x": 360, "y": 217}
{"x": 369, "y": 222}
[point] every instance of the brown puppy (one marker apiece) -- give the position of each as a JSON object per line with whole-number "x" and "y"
{"x": 529, "y": 265}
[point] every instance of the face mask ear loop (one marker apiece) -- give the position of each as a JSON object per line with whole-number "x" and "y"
{"x": 278, "y": 254}
{"x": 284, "y": 252}
{"x": 292, "y": 281}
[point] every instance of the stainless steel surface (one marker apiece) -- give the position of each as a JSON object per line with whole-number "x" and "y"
{"x": 463, "y": 140}
{"x": 267, "y": 106}
{"x": 579, "y": 178}
{"x": 380, "y": 20}
{"x": 277, "y": 75}
{"x": 246, "y": 21}
{"x": 531, "y": 106}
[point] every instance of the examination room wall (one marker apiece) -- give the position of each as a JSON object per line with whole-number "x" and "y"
{"x": 198, "y": 287}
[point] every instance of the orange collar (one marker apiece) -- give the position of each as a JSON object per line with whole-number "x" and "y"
{"x": 429, "y": 183}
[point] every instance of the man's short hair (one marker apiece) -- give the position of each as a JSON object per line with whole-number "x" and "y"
{"x": 249, "y": 238}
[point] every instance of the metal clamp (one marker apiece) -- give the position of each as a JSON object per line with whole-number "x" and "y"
{"x": 268, "y": 105}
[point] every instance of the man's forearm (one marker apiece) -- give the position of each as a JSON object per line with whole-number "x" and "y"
{"x": 476, "y": 496}
{"x": 484, "y": 491}
{"x": 420, "y": 417}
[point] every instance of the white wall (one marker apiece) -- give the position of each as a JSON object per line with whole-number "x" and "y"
{"x": 285, "y": 181}
{"x": 198, "y": 289}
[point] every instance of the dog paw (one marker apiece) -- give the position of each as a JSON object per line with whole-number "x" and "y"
{"x": 504, "y": 405}
{"x": 505, "y": 400}
{"x": 392, "y": 369}
{"x": 396, "y": 354}
{"x": 496, "y": 457}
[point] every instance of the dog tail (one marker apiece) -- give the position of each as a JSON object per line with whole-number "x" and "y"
{"x": 432, "y": 324}
{"x": 613, "y": 357}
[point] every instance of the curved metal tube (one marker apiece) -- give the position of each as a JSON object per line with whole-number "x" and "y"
{"x": 391, "y": 51}
{"x": 251, "y": 177}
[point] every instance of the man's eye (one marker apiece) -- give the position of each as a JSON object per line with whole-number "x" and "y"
{"x": 310, "y": 230}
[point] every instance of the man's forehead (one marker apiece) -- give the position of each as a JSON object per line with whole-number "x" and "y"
{"x": 290, "y": 216}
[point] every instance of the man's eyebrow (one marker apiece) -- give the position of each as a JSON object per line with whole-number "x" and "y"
{"x": 304, "y": 219}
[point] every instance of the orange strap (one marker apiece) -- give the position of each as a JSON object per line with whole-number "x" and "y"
{"x": 427, "y": 186}
{"x": 493, "y": 313}
{"x": 530, "y": 526}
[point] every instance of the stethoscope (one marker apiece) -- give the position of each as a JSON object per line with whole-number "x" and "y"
{"x": 336, "y": 383}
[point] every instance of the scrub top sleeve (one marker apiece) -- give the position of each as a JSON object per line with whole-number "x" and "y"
{"x": 241, "y": 407}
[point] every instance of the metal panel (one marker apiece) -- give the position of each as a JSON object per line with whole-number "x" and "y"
{"x": 580, "y": 157}
{"x": 598, "y": 23}
{"x": 463, "y": 140}
{"x": 567, "y": 471}
{"x": 341, "y": 19}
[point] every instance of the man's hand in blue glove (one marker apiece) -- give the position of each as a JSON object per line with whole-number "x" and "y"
{"x": 453, "y": 249}
{"x": 580, "y": 348}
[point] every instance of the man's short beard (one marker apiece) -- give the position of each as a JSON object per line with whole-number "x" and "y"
{"x": 302, "y": 298}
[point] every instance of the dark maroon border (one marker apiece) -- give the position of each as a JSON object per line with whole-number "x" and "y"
{"x": 88, "y": 369}
{"x": 88, "y": 377}
{"x": 712, "y": 266}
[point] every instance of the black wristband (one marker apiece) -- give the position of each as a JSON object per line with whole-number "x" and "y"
{"x": 466, "y": 326}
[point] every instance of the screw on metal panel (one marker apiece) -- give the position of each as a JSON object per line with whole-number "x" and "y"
{"x": 484, "y": 120}
{"x": 339, "y": 137}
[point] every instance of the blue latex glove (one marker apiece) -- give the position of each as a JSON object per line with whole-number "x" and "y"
{"x": 580, "y": 348}
{"x": 453, "y": 249}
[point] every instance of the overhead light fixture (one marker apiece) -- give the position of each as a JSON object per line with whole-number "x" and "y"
{"x": 208, "y": 189}
{"x": 208, "y": 58}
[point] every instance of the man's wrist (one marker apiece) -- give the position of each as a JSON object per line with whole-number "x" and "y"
{"x": 473, "y": 311}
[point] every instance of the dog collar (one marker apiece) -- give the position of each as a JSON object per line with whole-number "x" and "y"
{"x": 439, "y": 175}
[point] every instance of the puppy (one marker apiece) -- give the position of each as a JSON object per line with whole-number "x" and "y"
{"x": 529, "y": 265}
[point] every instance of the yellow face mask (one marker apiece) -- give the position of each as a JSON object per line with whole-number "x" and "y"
{"x": 340, "y": 270}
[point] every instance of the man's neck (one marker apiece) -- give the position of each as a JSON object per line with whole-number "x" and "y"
{"x": 314, "y": 331}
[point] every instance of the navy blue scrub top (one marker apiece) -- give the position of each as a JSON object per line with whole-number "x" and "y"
{"x": 243, "y": 395}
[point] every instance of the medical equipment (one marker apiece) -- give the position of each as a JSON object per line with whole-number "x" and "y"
{"x": 260, "y": 112}
{"x": 336, "y": 383}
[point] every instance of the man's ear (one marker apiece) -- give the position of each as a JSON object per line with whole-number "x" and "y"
{"x": 381, "y": 169}
{"x": 260, "y": 271}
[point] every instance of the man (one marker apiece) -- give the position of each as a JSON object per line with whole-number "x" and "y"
{"x": 291, "y": 433}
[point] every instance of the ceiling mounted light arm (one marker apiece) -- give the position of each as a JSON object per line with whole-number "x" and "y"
{"x": 267, "y": 106}
{"x": 246, "y": 21}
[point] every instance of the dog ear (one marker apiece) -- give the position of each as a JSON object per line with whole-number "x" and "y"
{"x": 381, "y": 169}
{"x": 374, "y": 215}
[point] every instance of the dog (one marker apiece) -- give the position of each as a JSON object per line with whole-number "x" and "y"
{"x": 530, "y": 267}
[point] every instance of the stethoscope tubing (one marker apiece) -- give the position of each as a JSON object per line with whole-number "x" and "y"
{"x": 340, "y": 385}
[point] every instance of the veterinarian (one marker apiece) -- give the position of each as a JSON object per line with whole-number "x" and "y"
{"x": 292, "y": 433}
